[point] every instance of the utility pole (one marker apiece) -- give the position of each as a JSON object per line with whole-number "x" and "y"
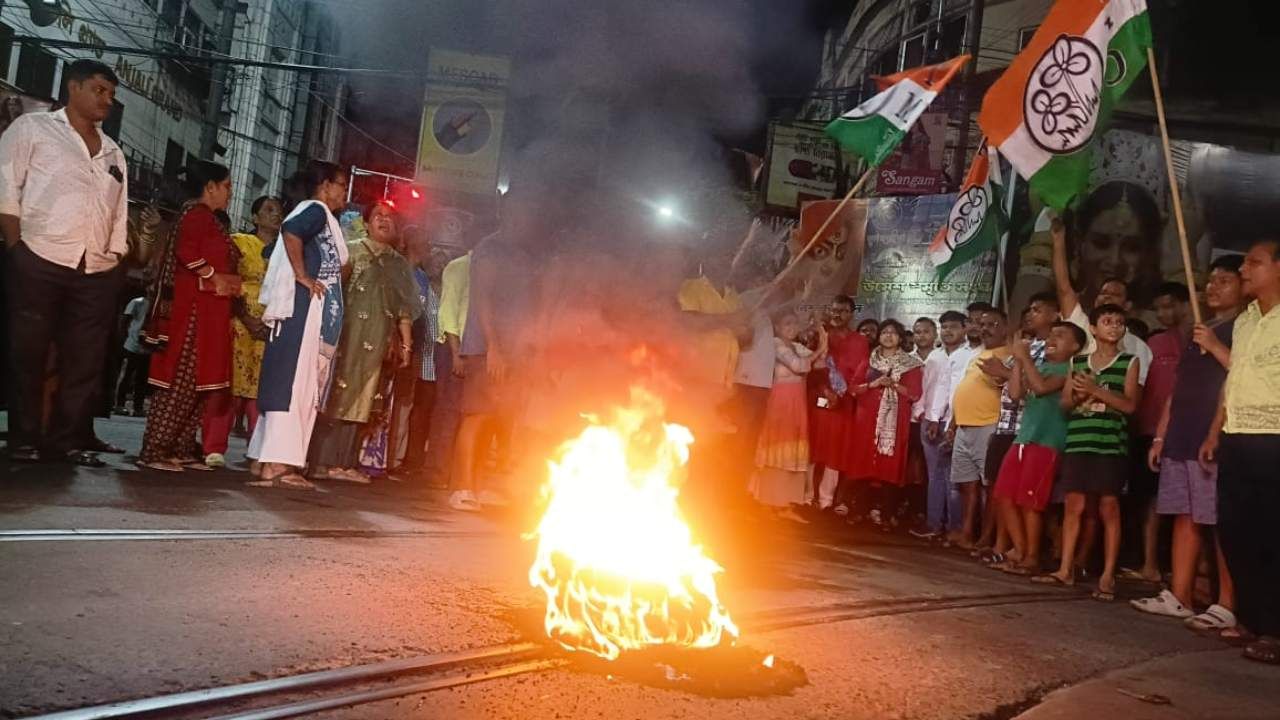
{"x": 973, "y": 35}
{"x": 218, "y": 82}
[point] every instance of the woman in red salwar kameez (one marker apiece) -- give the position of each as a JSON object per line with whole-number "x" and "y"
{"x": 831, "y": 418}
{"x": 885, "y": 392}
{"x": 192, "y": 321}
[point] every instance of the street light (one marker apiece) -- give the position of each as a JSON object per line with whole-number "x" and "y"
{"x": 666, "y": 212}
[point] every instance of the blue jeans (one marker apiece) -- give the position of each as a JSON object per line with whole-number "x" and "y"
{"x": 945, "y": 506}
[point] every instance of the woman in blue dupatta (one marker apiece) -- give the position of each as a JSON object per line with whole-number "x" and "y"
{"x": 302, "y": 295}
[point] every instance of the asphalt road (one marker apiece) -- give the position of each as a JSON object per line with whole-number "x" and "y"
{"x": 360, "y": 574}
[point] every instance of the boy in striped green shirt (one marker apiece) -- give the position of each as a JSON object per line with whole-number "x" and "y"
{"x": 1101, "y": 392}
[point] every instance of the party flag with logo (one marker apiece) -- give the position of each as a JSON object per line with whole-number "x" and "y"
{"x": 976, "y": 221}
{"x": 1058, "y": 94}
{"x": 873, "y": 129}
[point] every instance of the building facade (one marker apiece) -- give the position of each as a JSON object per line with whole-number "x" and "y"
{"x": 269, "y": 117}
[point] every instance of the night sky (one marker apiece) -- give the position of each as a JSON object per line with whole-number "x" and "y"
{"x": 785, "y": 48}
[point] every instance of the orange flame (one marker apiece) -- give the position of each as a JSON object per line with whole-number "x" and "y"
{"x": 615, "y": 558}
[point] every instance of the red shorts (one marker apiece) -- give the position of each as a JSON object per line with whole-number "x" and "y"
{"x": 1026, "y": 476}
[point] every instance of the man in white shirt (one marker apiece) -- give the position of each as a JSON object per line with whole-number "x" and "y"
{"x": 63, "y": 214}
{"x": 943, "y": 370}
{"x": 752, "y": 381}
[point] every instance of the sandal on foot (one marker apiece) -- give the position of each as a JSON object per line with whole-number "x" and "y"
{"x": 1215, "y": 619}
{"x": 1136, "y": 576}
{"x": 1104, "y": 595}
{"x": 1016, "y": 569}
{"x": 195, "y": 465}
{"x": 990, "y": 557}
{"x": 287, "y": 480}
{"x": 1051, "y": 579}
{"x": 1166, "y": 604}
{"x": 1264, "y": 650}
{"x": 84, "y": 458}
{"x": 349, "y": 475}
{"x": 161, "y": 465}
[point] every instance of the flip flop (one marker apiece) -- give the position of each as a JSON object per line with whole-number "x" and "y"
{"x": 1051, "y": 579}
{"x": 287, "y": 479}
{"x": 1015, "y": 569}
{"x": 84, "y": 458}
{"x": 196, "y": 465}
{"x": 349, "y": 475}
{"x": 161, "y": 465}
{"x": 1135, "y": 576}
{"x": 1103, "y": 595}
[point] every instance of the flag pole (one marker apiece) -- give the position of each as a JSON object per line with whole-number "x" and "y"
{"x": 1173, "y": 187}
{"x": 814, "y": 240}
{"x": 1001, "y": 289}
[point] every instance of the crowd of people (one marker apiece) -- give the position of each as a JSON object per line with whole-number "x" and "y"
{"x": 350, "y": 350}
{"x": 1023, "y": 442}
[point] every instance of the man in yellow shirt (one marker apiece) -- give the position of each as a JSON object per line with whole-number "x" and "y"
{"x": 1247, "y": 448}
{"x": 975, "y": 412}
{"x": 455, "y": 291}
{"x": 718, "y": 347}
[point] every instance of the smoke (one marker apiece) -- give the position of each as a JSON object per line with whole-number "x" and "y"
{"x": 613, "y": 108}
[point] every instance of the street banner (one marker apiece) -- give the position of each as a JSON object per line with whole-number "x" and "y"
{"x": 460, "y": 143}
{"x": 977, "y": 220}
{"x": 915, "y": 167}
{"x": 873, "y": 129}
{"x": 1059, "y": 92}
{"x": 802, "y": 165}
{"x": 831, "y": 266}
{"x": 897, "y": 278}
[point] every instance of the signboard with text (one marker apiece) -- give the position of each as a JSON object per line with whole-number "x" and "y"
{"x": 802, "y": 165}
{"x": 460, "y": 141}
{"x": 915, "y": 167}
{"x": 897, "y": 280}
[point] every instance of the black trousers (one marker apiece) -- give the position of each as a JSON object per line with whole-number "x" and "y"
{"x": 72, "y": 311}
{"x": 424, "y": 402}
{"x": 133, "y": 381}
{"x": 1248, "y": 505}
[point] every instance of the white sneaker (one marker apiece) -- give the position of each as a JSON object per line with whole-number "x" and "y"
{"x": 215, "y": 460}
{"x": 464, "y": 501}
{"x": 494, "y": 498}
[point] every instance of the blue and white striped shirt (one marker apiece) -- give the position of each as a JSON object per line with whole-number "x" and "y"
{"x": 430, "y": 321}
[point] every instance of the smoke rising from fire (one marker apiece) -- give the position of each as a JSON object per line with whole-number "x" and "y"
{"x": 613, "y": 106}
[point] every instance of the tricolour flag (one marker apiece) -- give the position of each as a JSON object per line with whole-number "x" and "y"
{"x": 1058, "y": 94}
{"x": 873, "y": 129}
{"x": 976, "y": 221}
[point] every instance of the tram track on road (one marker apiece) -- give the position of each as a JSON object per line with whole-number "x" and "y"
{"x": 187, "y": 535}
{"x": 312, "y": 692}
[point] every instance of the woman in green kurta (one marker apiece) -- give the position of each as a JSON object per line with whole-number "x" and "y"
{"x": 381, "y": 302}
